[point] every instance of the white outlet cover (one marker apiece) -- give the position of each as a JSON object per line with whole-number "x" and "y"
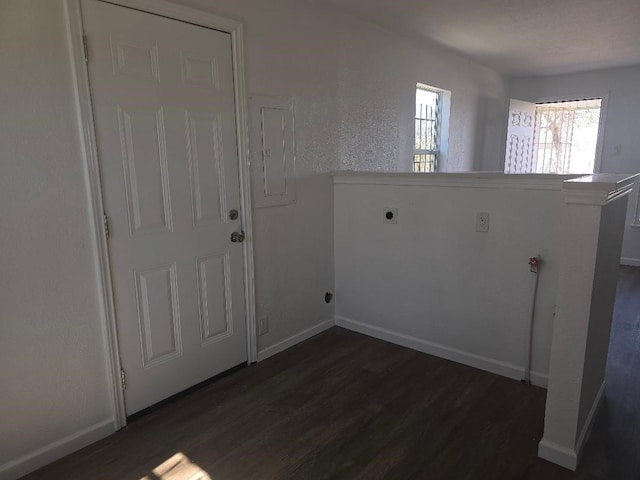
{"x": 263, "y": 325}
{"x": 390, "y": 212}
{"x": 482, "y": 221}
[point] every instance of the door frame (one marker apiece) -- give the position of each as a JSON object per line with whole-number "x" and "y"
{"x": 86, "y": 128}
{"x": 604, "y": 95}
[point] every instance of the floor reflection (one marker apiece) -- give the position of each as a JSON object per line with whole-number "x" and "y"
{"x": 178, "y": 467}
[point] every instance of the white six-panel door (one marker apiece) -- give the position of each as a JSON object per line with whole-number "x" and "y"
{"x": 163, "y": 102}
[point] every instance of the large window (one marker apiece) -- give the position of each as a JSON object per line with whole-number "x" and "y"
{"x": 566, "y": 136}
{"x": 558, "y": 137}
{"x": 428, "y": 128}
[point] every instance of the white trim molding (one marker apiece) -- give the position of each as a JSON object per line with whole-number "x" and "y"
{"x": 554, "y": 453}
{"x": 589, "y": 421}
{"x": 570, "y": 457}
{"x": 39, "y": 458}
{"x": 630, "y": 262}
{"x": 503, "y": 181}
{"x": 295, "y": 339}
{"x": 92, "y": 172}
{"x": 168, "y": 9}
{"x": 244, "y": 160}
{"x": 480, "y": 362}
{"x": 635, "y": 224}
{"x": 86, "y": 128}
{"x": 598, "y": 189}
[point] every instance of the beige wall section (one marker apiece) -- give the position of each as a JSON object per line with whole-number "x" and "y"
{"x": 620, "y": 87}
{"x": 52, "y": 367}
{"x": 353, "y": 84}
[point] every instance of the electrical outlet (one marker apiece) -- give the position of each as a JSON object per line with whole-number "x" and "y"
{"x": 263, "y": 325}
{"x": 390, "y": 215}
{"x": 482, "y": 222}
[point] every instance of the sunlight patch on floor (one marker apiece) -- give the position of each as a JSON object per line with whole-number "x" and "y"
{"x": 178, "y": 467}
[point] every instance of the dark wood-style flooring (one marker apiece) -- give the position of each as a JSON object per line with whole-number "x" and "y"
{"x": 613, "y": 450}
{"x": 345, "y": 406}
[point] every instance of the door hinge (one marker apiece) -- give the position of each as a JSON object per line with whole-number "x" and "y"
{"x": 105, "y": 220}
{"x": 123, "y": 379}
{"x": 86, "y": 49}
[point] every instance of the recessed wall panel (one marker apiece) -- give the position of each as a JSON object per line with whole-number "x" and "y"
{"x": 145, "y": 170}
{"x": 204, "y": 146}
{"x": 214, "y": 294}
{"x": 273, "y": 151}
{"x": 272, "y": 137}
{"x": 158, "y": 314}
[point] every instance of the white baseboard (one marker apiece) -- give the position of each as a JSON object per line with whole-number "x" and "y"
{"x": 477, "y": 361}
{"x": 39, "y": 458}
{"x": 570, "y": 457}
{"x": 294, "y": 339}
{"x": 538, "y": 379}
{"x": 588, "y": 423}
{"x": 631, "y": 262}
{"x": 565, "y": 457}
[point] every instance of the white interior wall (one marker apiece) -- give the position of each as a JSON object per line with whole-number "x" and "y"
{"x": 354, "y": 89}
{"x": 434, "y": 283}
{"x": 353, "y": 84}
{"x": 620, "y": 87}
{"x": 52, "y": 361}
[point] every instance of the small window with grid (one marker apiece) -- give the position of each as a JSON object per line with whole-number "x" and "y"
{"x": 427, "y": 129}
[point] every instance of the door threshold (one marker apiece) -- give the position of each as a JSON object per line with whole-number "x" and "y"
{"x": 198, "y": 386}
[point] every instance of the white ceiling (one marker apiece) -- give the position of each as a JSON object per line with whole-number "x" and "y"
{"x": 517, "y": 37}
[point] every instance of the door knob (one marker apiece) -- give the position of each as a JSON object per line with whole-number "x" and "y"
{"x": 237, "y": 237}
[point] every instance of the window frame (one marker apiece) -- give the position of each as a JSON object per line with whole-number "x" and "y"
{"x": 635, "y": 222}
{"x": 441, "y": 126}
{"x": 597, "y": 163}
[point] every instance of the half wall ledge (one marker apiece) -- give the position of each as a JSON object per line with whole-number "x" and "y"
{"x": 391, "y": 286}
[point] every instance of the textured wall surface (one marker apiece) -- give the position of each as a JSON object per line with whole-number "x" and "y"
{"x": 620, "y": 88}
